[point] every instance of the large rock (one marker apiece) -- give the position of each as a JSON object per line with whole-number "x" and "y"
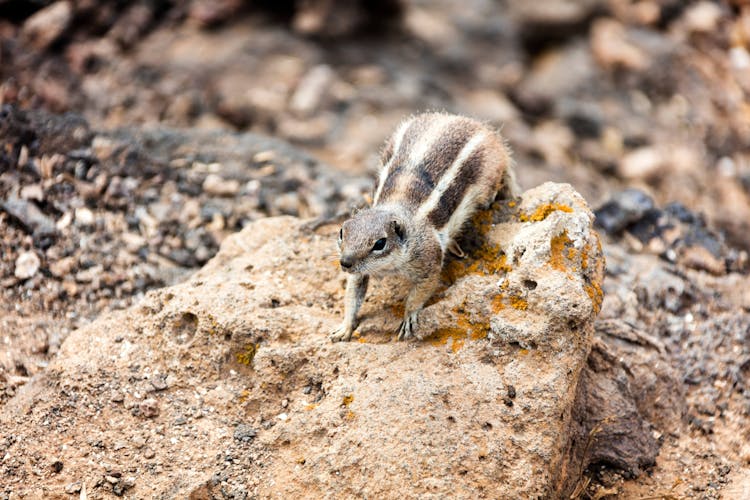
{"x": 227, "y": 385}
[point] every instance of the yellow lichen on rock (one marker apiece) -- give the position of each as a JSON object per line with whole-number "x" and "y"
{"x": 519, "y": 303}
{"x": 244, "y": 395}
{"x": 246, "y": 357}
{"x": 441, "y": 336}
{"x": 557, "y": 248}
{"x": 463, "y": 330}
{"x": 497, "y": 303}
{"x": 487, "y": 260}
{"x": 542, "y": 211}
{"x": 585, "y": 257}
{"x": 596, "y": 294}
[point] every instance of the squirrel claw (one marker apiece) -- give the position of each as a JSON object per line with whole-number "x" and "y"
{"x": 406, "y": 330}
{"x": 456, "y": 250}
{"x": 341, "y": 334}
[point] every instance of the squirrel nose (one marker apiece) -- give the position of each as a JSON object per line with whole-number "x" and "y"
{"x": 346, "y": 262}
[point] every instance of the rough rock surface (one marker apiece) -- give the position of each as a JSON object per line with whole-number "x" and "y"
{"x": 227, "y": 384}
{"x": 89, "y": 221}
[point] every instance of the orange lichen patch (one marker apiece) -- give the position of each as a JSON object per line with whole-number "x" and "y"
{"x": 457, "y": 344}
{"x": 585, "y": 256}
{"x": 311, "y": 406}
{"x": 511, "y": 204}
{"x": 348, "y": 399}
{"x": 441, "y": 336}
{"x": 479, "y": 332}
{"x": 487, "y": 260}
{"x": 301, "y": 460}
{"x": 497, "y": 303}
{"x": 464, "y": 329}
{"x": 542, "y": 211}
{"x": 373, "y": 338}
{"x": 482, "y": 220}
{"x": 453, "y": 270}
{"x": 523, "y": 352}
{"x": 557, "y": 247}
{"x": 246, "y": 357}
{"x": 596, "y": 294}
{"x": 519, "y": 303}
{"x": 244, "y": 395}
{"x": 350, "y": 415}
{"x": 475, "y": 331}
{"x": 497, "y": 264}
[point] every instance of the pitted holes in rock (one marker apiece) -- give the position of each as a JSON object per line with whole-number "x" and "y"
{"x": 184, "y": 327}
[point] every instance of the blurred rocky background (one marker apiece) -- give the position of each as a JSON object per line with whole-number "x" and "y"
{"x": 134, "y": 137}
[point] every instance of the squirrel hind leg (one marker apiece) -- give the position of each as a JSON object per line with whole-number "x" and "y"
{"x": 510, "y": 188}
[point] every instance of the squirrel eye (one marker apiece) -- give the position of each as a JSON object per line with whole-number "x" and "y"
{"x": 379, "y": 245}
{"x": 341, "y": 233}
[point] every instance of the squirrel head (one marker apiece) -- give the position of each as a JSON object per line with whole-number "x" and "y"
{"x": 373, "y": 241}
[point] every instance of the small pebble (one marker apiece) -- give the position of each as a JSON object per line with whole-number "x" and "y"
{"x": 149, "y": 408}
{"x": 511, "y": 392}
{"x": 27, "y": 264}
{"x": 73, "y": 488}
{"x": 244, "y": 433}
{"x": 159, "y": 383}
{"x": 47, "y": 25}
{"x": 84, "y": 217}
{"x": 218, "y": 186}
{"x": 641, "y": 164}
{"x": 32, "y": 192}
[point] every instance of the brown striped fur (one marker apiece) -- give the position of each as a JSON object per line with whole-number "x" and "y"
{"x": 438, "y": 169}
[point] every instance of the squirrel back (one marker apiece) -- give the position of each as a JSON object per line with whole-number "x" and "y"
{"x": 441, "y": 168}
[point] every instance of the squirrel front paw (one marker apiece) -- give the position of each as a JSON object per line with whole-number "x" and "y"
{"x": 342, "y": 334}
{"x": 408, "y": 326}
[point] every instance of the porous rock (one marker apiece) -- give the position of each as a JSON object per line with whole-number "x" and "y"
{"x": 479, "y": 406}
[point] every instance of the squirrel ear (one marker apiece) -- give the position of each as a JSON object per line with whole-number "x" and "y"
{"x": 398, "y": 229}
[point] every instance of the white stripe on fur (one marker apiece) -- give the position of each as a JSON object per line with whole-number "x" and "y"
{"x": 448, "y": 177}
{"x": 385, "y": 169}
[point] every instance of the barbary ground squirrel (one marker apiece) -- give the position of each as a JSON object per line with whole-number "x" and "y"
{"x": 437, "y": 171}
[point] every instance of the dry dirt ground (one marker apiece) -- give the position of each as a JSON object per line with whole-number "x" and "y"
{"x": 102, "y": 206}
